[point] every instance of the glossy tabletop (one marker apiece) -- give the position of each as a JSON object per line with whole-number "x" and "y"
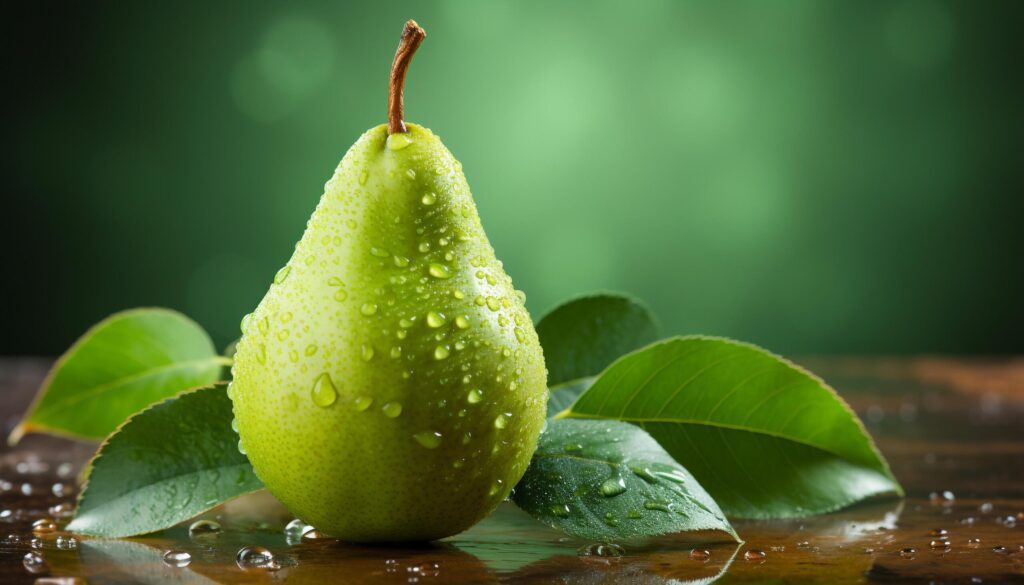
{"x": 952, "y": 429}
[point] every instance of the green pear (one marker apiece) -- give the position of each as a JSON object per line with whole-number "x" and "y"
{"x": 390, "y": 386}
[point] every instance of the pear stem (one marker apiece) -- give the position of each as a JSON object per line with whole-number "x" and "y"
{"x": 412, "y": 36}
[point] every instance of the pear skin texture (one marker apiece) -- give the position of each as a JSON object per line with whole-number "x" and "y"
{"x": 390, "y": 386}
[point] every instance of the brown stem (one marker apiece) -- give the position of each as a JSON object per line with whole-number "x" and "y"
{"x": 412, "y": 36}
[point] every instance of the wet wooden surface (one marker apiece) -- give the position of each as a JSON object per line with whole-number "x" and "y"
{"x": 946, "y": 425}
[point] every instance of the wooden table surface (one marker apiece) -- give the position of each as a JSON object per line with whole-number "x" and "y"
{"x": 952, "y": 425}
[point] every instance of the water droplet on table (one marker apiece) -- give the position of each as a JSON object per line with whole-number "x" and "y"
{"x": 177, "y": 558}
{"x": 256, "y": 557}
{"x": 34, "y": 563}
{"x": 755, "y": 555}
{"x": 44, "y": 526}
{"x": 603, "y": 550}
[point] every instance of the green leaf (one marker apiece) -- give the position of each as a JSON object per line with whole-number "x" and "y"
{"x": 581, "y": 337}
{"x": 124, "y": 363}
{"x": 766, "y": 438}
{"x": 610, "y": 480}
{"x": 562, "y": 396}
{"x": 166, "y": 464}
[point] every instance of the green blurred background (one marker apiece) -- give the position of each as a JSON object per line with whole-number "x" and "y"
{"x": 816, "y": 177}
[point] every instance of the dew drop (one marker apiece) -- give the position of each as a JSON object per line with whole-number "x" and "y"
{"x": 602, "y": 550}
{"x": 367, "y": 352}
{"x": 62, "y": 510}
{"x": 493, "y": 304}
{"x": 324, "y": 392}
{"x": 424, "y": 247}
{"x": 613, "y": 486}
{"x": 34, "y": 563}
{"x": 755, "y": 555}
{"x": 939, "y": 544}
{"x": 362, "y": 403}
{"x": 973, "y": 542}
{"x": 474, "y": 396}
{"x": 1000, "y": 550}
{"x": 428, "y": 439}
{"x": 496, "y": 488}
{"x": 520, "y": 335}
{"x": 699, "y": 554}
{"x": 340, "y": 295}
{"x": 241, "y": 448}
{"x": 398, "y": 141}
{"x": 441, "y": 352}
{"x": 368, "y": 309}
{"x": 245, "y": 322}
{"x": 429, "y": 199}
{"x": 435, "y": 319}
{"x": 263, "y": 326}
{"x": 908, "y": 553}
{"x": 396, "y": 352}
{"x": 310, "y": 349}
{"x": 401, "y": 261}
{"x": 363, "y": 176}
{"x": 296, "y": 528}
{"x": 560, "y": 510}
{"x": 256, "y": 557}
{"x": 658, "y": 505}
{"x": 282, "y": 274}
{"x": 439, "y": 270}
{"x": 501, "y": 421}
{"x": 201, "y": 528}
{"x": 177, "y": 558}
{"x": 44, "y": 526}
{"x": 392, "y": 409}
{"x": 261, "y": 354}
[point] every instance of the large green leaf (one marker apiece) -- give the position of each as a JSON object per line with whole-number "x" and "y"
{"x": 581, "y": 337}
{"x": 166, "y": 464}
{"x": 124, "y": 363}
{"x": 610, "y": 480}
{"x": 766, "y": 438}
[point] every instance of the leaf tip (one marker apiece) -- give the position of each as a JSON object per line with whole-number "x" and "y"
{"x": 15, "y": 437}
